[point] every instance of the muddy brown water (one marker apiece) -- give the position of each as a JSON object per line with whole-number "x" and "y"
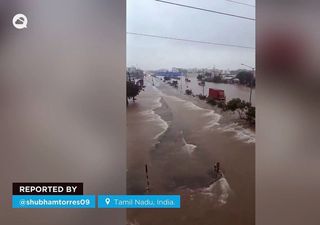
{"x": 180, "y": 140}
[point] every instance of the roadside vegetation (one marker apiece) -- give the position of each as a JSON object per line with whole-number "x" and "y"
{"x": 188, "y": 92}
{"x": 244, "y": 109}
{"x": 202, "y": 97}
{"x": 133, "y": 90}
{"x": 244, "y": 77}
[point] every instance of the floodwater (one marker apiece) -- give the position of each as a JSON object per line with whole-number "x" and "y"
{"x": 180, "y": 138}
{"x": 231, "y": 90}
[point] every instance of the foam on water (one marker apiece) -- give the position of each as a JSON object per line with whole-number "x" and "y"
{"x": 241, "y": 133}
{"x": 214, "y": 117}
{"x": 163, "y": 124}
{"x": 157, "y": 104}
{"x": 151, "y": 116}
{"x": 188, "y": 148}
{"x": 133, "y": 223}
{"x": 192, "y": 106}
{"x": 219, "y": 191}
{"x": 174, "y": 98}
{"x": 215, "y": 120}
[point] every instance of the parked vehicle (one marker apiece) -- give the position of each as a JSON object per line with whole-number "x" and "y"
{"x": 216, "y": 94}
{"x": 201, "y": 83}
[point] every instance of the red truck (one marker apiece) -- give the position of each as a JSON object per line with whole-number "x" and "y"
{"x": 217, "y": 94}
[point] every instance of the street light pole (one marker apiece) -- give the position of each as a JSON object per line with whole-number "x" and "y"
{"x": 203, "y": 89}
{"x": 250, "y": 81}
{"x": 251, "y": 86}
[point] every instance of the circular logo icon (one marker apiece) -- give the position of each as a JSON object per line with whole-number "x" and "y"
{"x": 20, "y": 21}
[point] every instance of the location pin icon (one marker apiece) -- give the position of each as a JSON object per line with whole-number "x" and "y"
{"x": 107, "y": 201}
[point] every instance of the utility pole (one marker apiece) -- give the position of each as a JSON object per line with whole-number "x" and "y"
{"x": 251, "y": 81}
{"x": 251, "y": 85}
{"x": 147, "y": 179}
{"x": 203, "y": 88}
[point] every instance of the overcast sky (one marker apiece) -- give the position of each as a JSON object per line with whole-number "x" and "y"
{"x": 152, "y": 17}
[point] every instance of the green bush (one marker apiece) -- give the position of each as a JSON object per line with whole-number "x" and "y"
{"x": 200, "y": 77}
{"x": 211, "y": 101}
{"x": 245, "y": 109}
{"x": 202, "y": 97}
{"x": 132, "y": 90}
{"x": 251, "y": 115}
{"x": 236, "y": 103}
{"x": 188, "y": 92}
{"x": 245, "y": 77}
{"x": 222, "y": 105}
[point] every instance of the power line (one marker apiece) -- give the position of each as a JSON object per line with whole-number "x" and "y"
{"x": 241, "y": 3}
{"x": 189, "y": 40}
{"x": 206, "y": 10}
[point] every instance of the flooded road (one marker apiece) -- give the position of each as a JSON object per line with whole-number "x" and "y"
{"x": 180, "y": 138}
{"x": 231, "y": 90}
